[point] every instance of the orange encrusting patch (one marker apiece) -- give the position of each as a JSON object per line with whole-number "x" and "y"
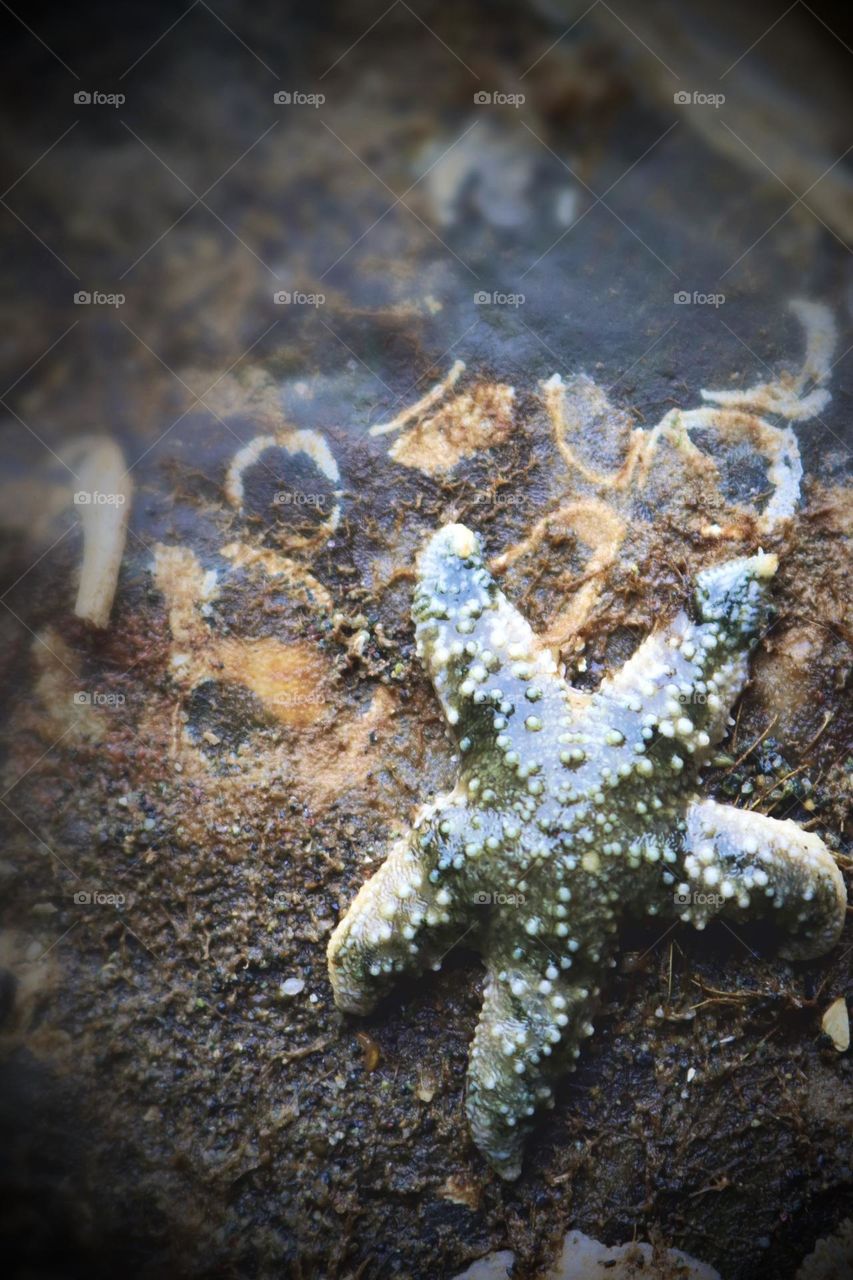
{"x": 471, "y": 421}
{"x": 345, "y": 754}
{"x": 289, "y": 679}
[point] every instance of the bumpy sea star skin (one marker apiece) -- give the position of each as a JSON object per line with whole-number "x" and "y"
{"x": 571, "y": 810}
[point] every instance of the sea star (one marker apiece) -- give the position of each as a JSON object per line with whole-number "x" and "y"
{"x": 571, "y": 810}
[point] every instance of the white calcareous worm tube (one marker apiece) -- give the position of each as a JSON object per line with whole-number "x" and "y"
{"x": 103, "y": 501}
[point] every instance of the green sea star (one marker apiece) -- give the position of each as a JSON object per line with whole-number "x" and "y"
{"x": 571, "y": 810}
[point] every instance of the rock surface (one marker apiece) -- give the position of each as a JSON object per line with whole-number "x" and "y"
{"x": 193, "y": 793}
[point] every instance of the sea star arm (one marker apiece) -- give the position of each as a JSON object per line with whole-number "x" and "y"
{"x": 682, "y": 681}
{"x": 744, "y": 865}
{"x": 529, "y": 1027}
{"x": 405, "y": 917}
{"x": 469, "y": 636}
